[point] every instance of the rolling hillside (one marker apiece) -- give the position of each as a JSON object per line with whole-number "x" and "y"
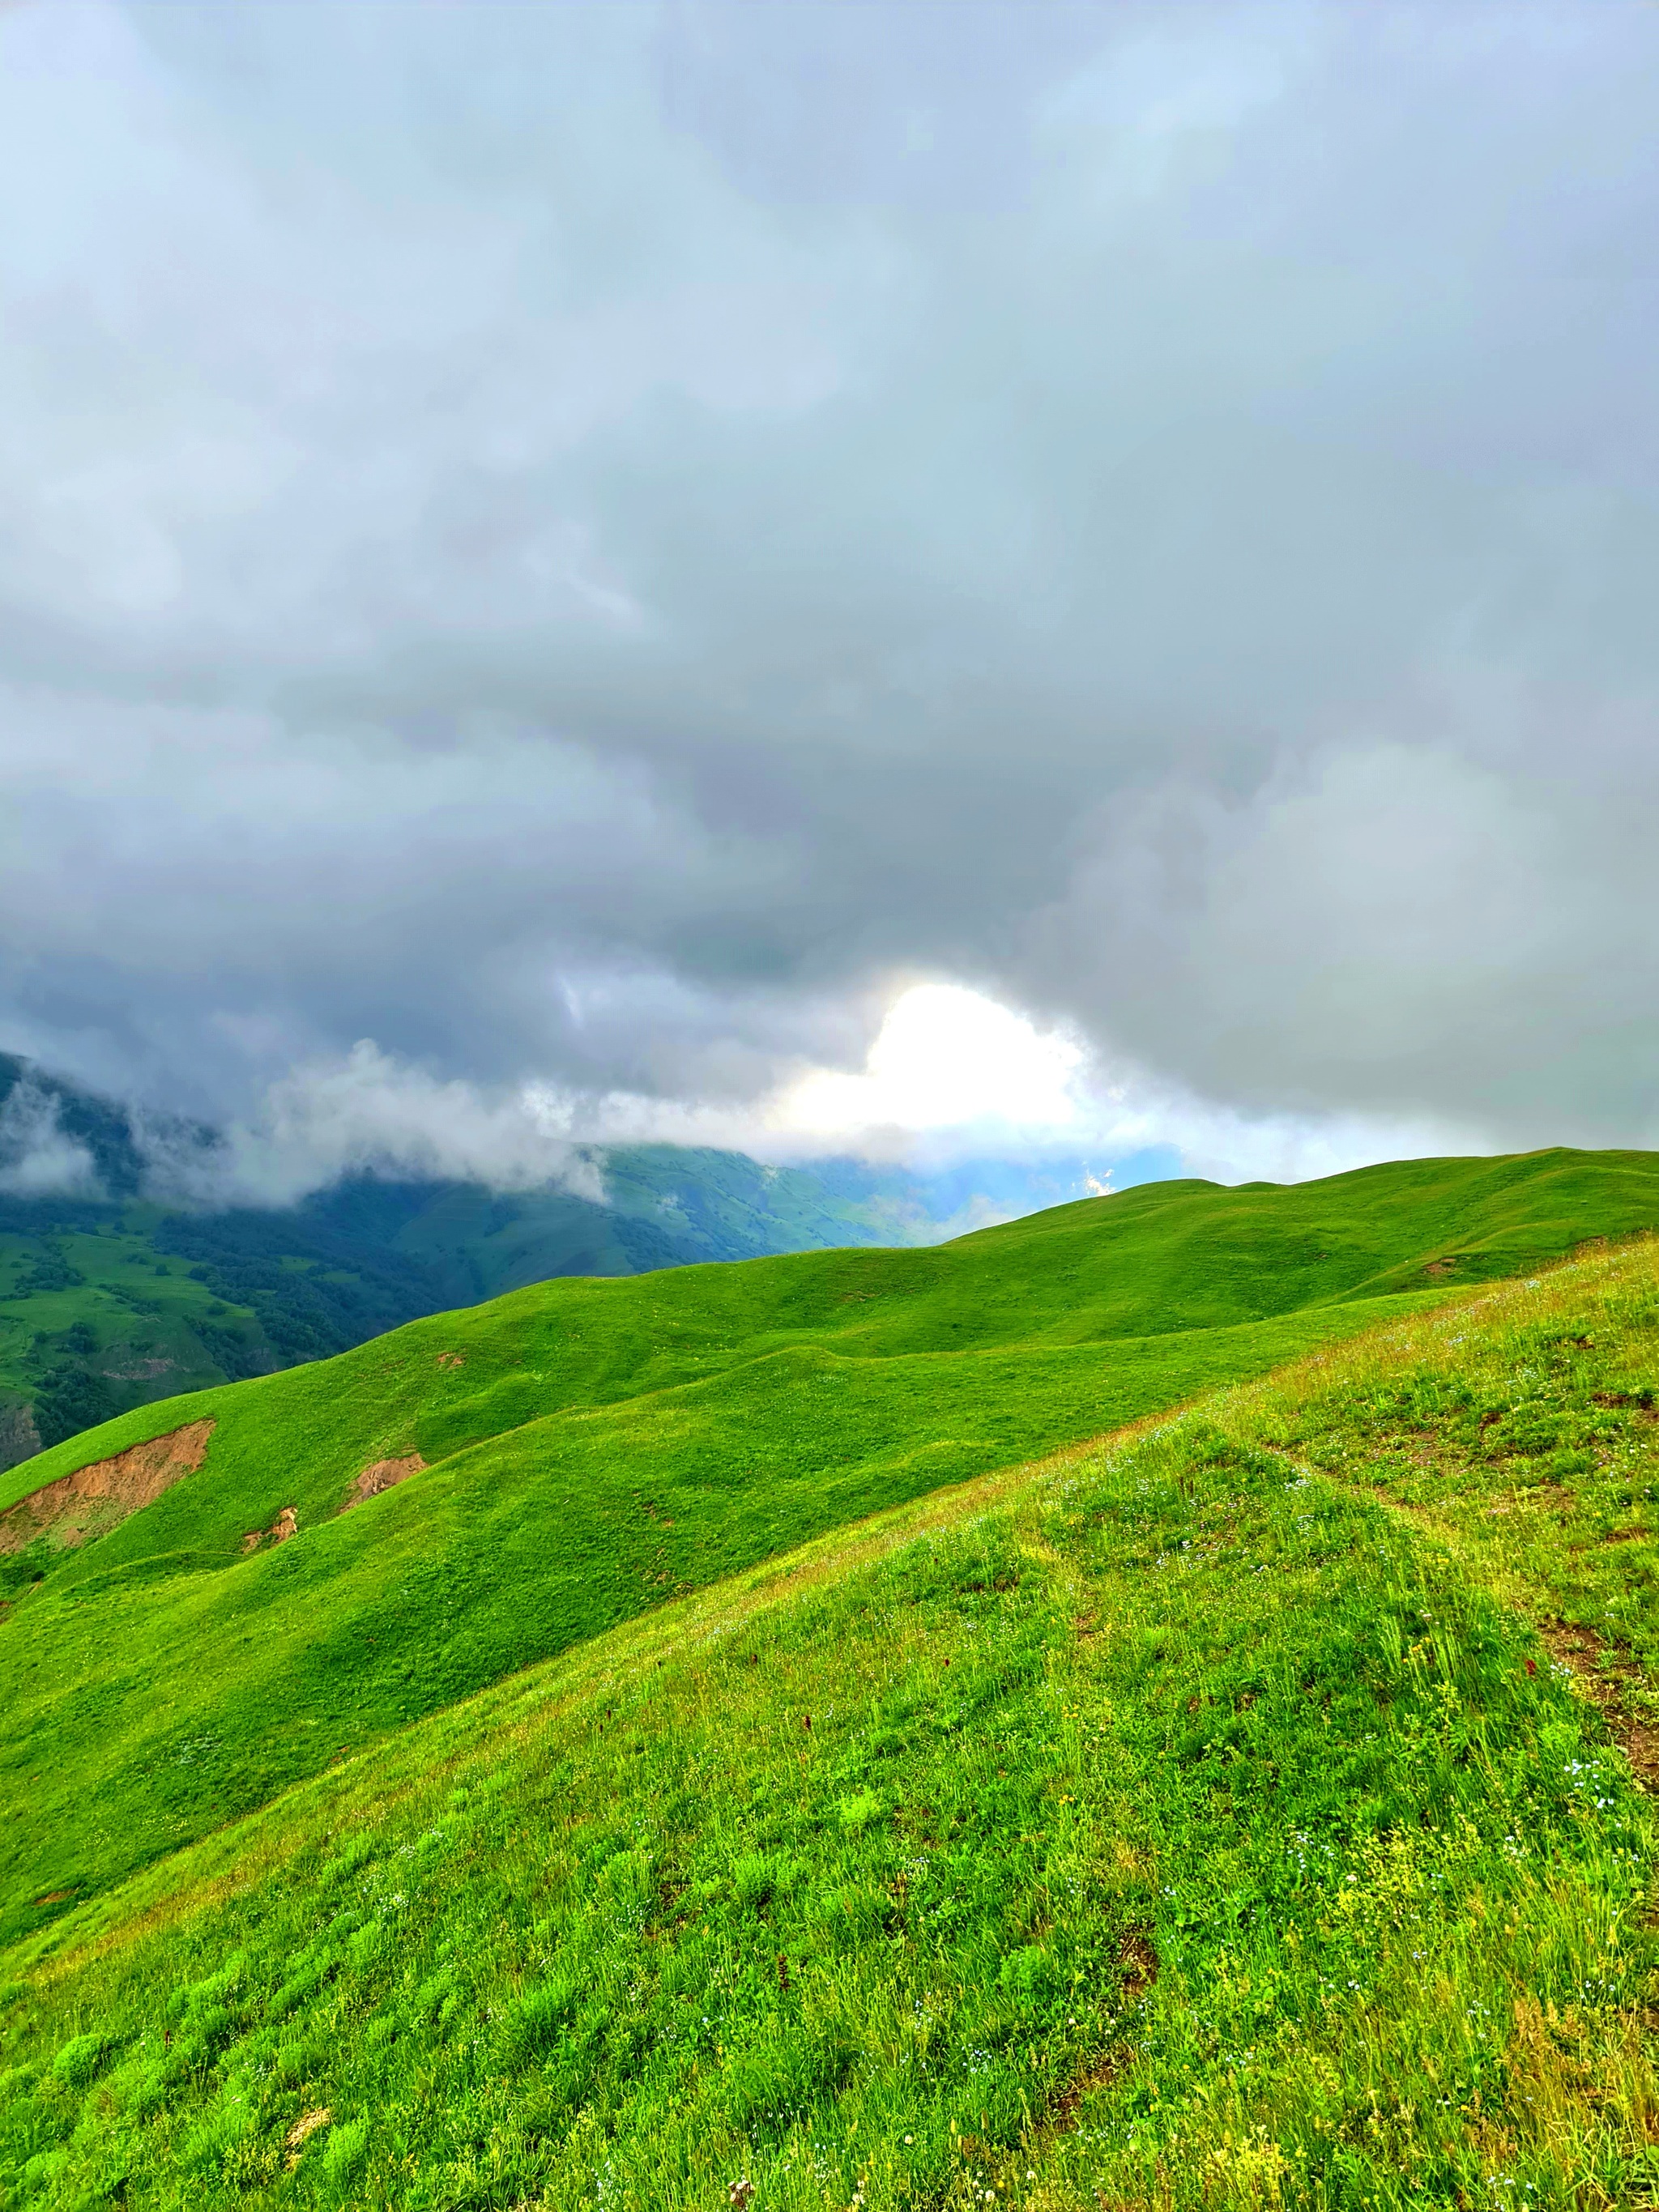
{"x": 110, "y": 1298}
{"x": 552, "y": 1464}
{"x": 1234, "y": 1812}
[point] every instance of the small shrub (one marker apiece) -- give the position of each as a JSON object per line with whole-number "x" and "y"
{"x": 344, "y": 2153}
{"x": 1027, "y": 1974}
{"x": 857, "y": 1813}
{"x": 533, "y": 2025}
{"x": 756, "y": 1878}
{"x": 81, "y": 2059}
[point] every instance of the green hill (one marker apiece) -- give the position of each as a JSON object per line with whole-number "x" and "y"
{"x": 1231, "y": 1813}
{"x": 110, "y": 1299}
{"x": 572, "y": 1454}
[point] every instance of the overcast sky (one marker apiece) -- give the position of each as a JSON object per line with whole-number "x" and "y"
{"x": 555, "y": 559}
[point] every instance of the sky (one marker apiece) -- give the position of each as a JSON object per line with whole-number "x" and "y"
{"x": 848, "y": 574}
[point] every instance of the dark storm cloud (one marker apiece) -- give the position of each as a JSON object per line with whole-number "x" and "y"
{"x": 575, "y": 542}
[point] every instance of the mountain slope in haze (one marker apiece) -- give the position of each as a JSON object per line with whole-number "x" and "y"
{"x": 1232, "y": 1814}
{"x": 675, "y": 1206}
{"x": 109, "y": 1300}
{"x": 552, "y": 1463}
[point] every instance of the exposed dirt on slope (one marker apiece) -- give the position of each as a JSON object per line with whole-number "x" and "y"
{"x": 92, "y": 1499}
{"x": 1610, "y": 1677}
{"x": 384, "y": 1475}
{"x": 1139, "y": 1964}
{"x": 286, "y": 1524}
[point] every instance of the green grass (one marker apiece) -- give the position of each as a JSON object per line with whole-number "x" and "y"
{"x": 95, "y": 1319}
{"x": 1195, "y": 1818}
{"x": 599, "y": 1447}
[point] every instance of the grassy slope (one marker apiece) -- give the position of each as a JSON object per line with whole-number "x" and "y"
{"x": 1160, "y": 1258}
{"x": 1180, "y": 1823}
{"x": 108, "y": 1303}
{"x": 605, "y": 1445}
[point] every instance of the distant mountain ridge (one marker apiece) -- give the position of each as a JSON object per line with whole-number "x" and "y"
{"x": 111, "y": 1297}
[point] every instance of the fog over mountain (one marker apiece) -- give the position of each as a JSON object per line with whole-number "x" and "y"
{"x": 554, "y": 559}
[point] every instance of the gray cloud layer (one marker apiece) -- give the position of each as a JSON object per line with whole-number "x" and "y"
{"x": 577, "y": 542}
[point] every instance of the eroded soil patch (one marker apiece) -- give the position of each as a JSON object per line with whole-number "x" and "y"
{"x": 384, "y": 1475}
{"x": 286, "y": 1524}
{"x": 84, "y": 1504}
{"x": 1138, "y": 1962}
{"x": 1608, "y": 1675}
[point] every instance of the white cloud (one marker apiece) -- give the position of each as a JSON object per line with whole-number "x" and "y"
{"x": 38, "y": 1159}
{"x": 951, "y": 1073}
{"x": 368, "y": 1113}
